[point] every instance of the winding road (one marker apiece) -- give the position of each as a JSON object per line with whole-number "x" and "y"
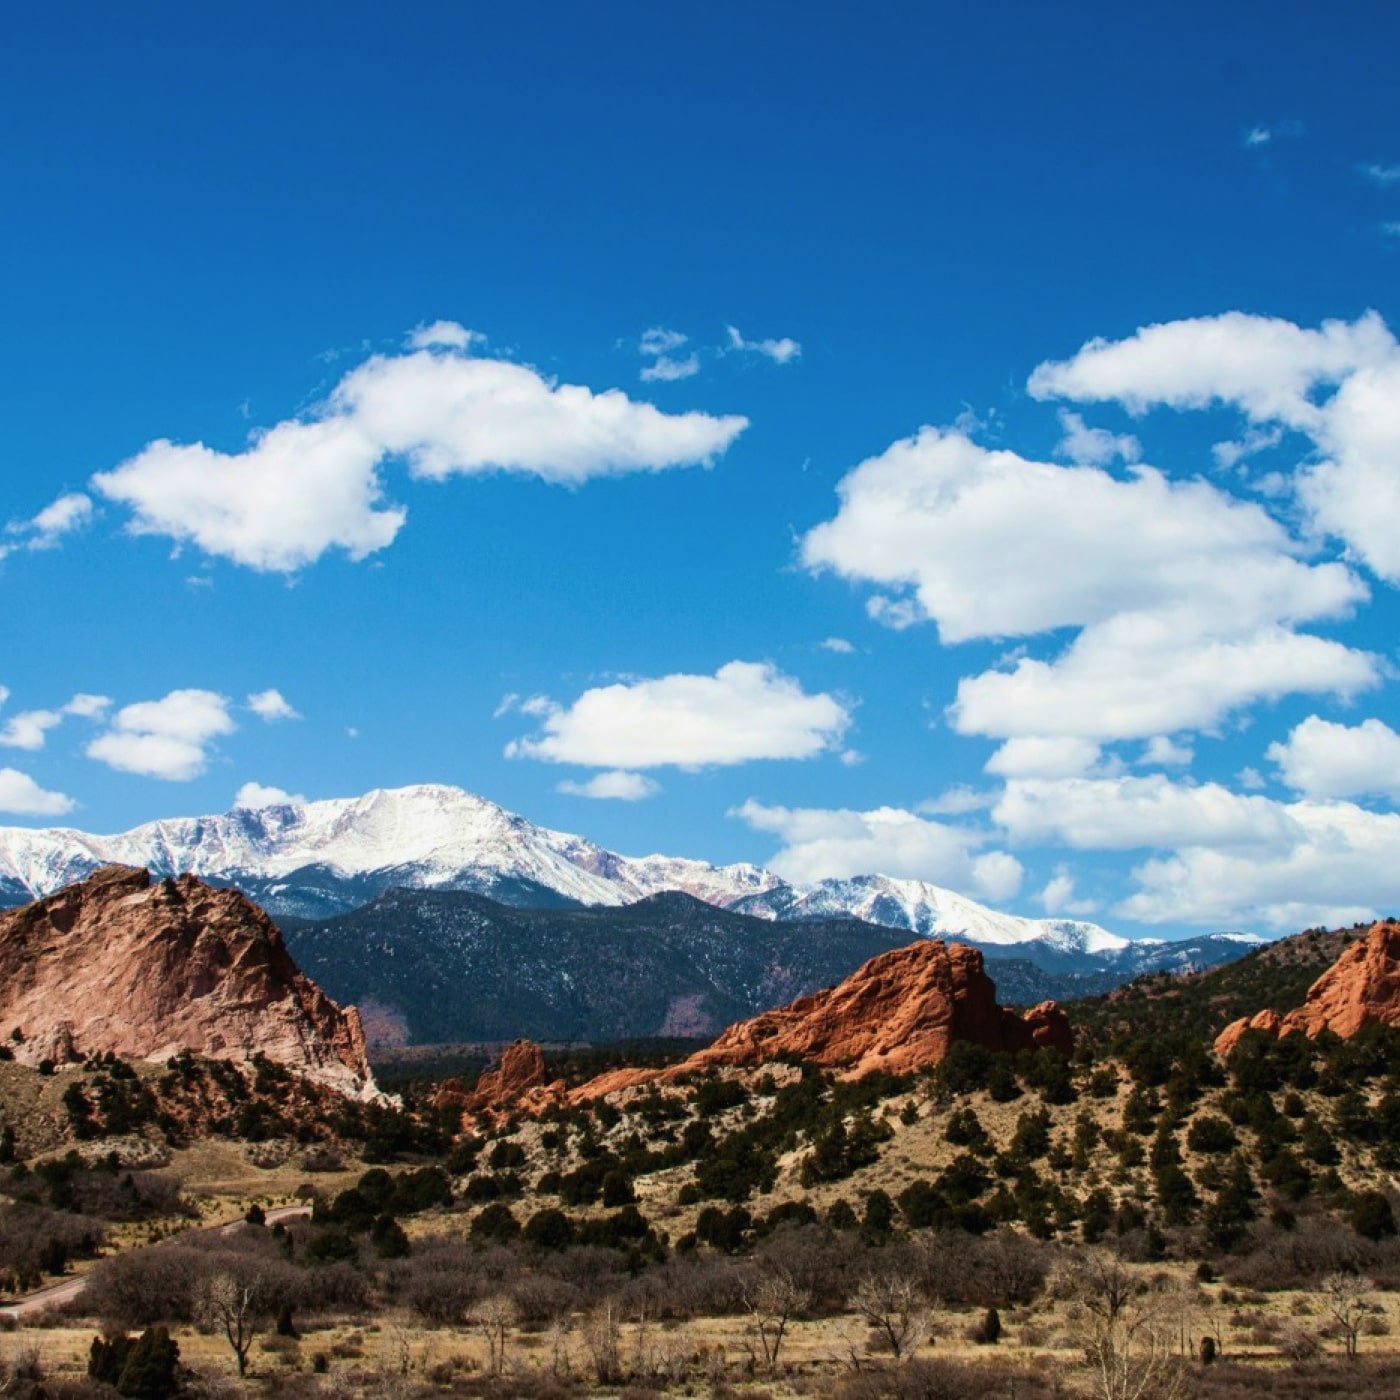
{"x": 70, "y": 1288}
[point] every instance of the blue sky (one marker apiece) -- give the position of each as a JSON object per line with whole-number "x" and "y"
{"x": 220, "y": 222}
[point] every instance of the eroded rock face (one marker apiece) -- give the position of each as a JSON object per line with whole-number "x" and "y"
{"x": 1361, "y": 988}
{"x": 146, "y": 969}
{"x": 516, "y": 1083}
{"x": 1267, "y": 1021}
{"x": 900, "y": 1012}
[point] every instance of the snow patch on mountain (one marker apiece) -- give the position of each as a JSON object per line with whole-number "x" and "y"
{"x": 434, "y": 836}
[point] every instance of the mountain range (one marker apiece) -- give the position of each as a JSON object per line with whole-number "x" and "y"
{"x": 319, "y": 860}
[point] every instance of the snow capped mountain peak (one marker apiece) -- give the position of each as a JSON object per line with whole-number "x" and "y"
{"x": 434, "y": 836}
{"x": 929, "y": 910}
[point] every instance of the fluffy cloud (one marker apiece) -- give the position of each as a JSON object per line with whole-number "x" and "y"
{"x": 745, "y": 711}
{"x": 1228, "y": 860}
{"x": 1322, "y": 759}
{"x": 20, "y": 794}
{"x": 1139, "y": 676}
{"x": 957, "y": 801}
{"x": 1354, "y": 491}
{"x": 837, "y": 644}
{"x": 253, "y": 796}
{"x": 1162, "y": 751}
{"x": 271, "y": 705}
{"x": 313, "y": 484}
{"x": 659, "y": 346}
{"x": 1265, "y": 365}
{"x": 995, "y": 545}
{"x": 616, "y": 785}
{"x": 1094, "y": 447}
{"x": 449, "y": 335}
{"x": 47, "y": 529}
{"x": 1276, "y": 373}
{"x": 782, "y": 351}
{"x": 1123, "y": 813}
{"x": 297, "y": 491}
{"x": 1037, "y": 756}
{"x": 666, "y": 368}
{"x": 1186, "y": 597}
{"x": 820, "y": 844}
{"x": 29, "y": 729}
{"x": 1058, "y": 896}
{"x": 168, "y": 738}
{"x": 1340, "y": 864}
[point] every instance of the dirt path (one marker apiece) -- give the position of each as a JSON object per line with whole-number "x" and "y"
{"x": 70, "y": 1288}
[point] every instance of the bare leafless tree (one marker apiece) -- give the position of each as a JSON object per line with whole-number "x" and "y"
{"x": 892, "y": 1305}
{"x": 229, "y": 1305}
{"x": 560, "y": 1363}
{"x": 494, "y": 1316}
{"x": 1347, "y": 1299}
{"x": 602, "y": 1334}
{"x": 1128, "y": 1331}
{"x": 772, "y": 1297}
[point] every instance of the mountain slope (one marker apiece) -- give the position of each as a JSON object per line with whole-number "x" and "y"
{"x": 329, "y": 857}
{"x": 435, "y": 966}
{"x": 926, "y": 909}
{"x": 319, "y": 859}
{"x": 1163, "y": 1007}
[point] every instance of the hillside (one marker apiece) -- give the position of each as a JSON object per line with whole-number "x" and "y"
{"x": 430, "y": 967}
{"x": 438, "y": 966}
{"x": 1201, "y": 1004}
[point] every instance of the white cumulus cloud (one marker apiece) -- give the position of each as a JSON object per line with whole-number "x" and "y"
{"x": 1059, "y": 897}
{"x": 616, "y": 784}
{"x": 745, "y": 711}
{"x": 271, "y": 705}
{"x": 1339, "y": 864}
{"x": 823, "y": 843}
{"x": 1186, "y": 598}
{"x": 254, "y": 796}
{"x": 47, "y": 529}
{"x": 1094, "y": 447}
{"x": 1323, "y": 759}
{"x": 168, "y": 738}
{"x": 1278, "y": 374}
{"x": 29, "y": 729}
{"x": 1041, "y": 756}
{"x": 1124, "y": 813}
{"x": 20, "y": 794}
{"x": 312, "y": 484}
{"x": 450, "y": 335}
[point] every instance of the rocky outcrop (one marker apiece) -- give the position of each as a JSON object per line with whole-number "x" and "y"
{"x": 148, "y": 968}
{"x": 900, "y": 1012}
{"x": 1267, "y": 1021}
{"x": 1362, "y": 988}
{"x": 516, "y": 1083}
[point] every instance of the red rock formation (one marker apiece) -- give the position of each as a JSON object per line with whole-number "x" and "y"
{"x": 1361, "y": 988}
{"x": 901, "y": 1011}
{"x": 146, "y": 969}
{"x": 517, "y": 1083}
{"x": 1266, "y": 1021}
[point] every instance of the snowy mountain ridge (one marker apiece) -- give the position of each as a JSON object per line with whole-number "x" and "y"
{"x": 433, "y": 836}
